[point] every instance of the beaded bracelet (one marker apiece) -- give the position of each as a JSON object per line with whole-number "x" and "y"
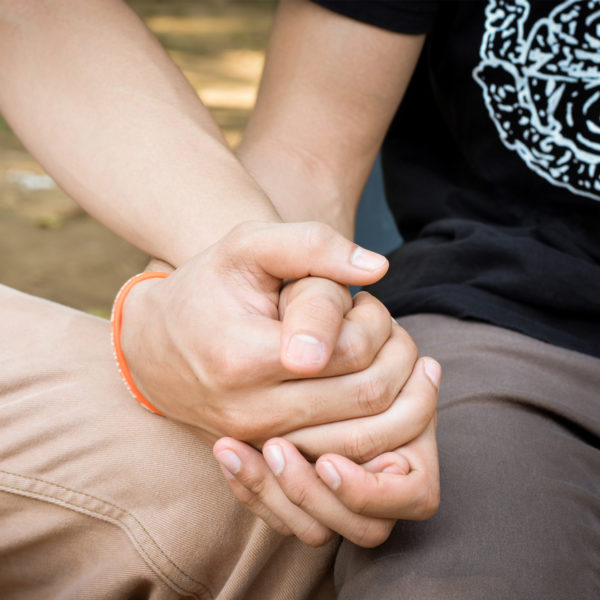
{"x": 116, "y": 320}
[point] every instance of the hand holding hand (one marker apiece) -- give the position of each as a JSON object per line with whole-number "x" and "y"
{"x": 336, "y": 495}
{"x": 207, "y": 348}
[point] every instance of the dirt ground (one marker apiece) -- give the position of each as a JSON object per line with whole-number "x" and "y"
{"x": 48, "y": 246}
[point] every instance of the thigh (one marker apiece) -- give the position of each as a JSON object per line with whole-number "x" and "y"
{"x": 102, "y": 499}
{"x": 518, "y": 435}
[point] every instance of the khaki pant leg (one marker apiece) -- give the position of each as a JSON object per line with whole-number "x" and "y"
{"x": 102, "y": 499}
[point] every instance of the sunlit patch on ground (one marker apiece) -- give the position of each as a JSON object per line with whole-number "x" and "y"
{"x": 227, "y": 84}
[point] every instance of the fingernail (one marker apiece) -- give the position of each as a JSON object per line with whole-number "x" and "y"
{"x": 433, "y": 372}
{"x": 230, "y": 460}
{"x": 274, "y": 457}
{"x": 329, "y": 475}
{"x": 305, "y": 349}
{"x": 367, "y": 260}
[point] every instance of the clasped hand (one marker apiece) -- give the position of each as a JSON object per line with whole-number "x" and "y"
{"x": 302, "y": 372}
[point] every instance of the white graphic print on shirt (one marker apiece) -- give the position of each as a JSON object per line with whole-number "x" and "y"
{"x": 542, "y": 88}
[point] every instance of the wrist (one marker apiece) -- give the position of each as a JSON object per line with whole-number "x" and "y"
{"x": 301, "y": 187}
{"x": 156, "y": 264}
{"x": 132, "y": 321}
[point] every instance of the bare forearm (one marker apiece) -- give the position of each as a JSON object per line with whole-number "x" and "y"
{"x": 301, "y": 187}
{"x": 95, "y": 98}
{"x": 329, "y": 91}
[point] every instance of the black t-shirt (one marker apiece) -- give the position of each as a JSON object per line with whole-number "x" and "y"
{"x": 492, "y": 165}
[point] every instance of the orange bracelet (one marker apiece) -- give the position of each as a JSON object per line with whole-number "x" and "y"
{"x": 116, "y": 321}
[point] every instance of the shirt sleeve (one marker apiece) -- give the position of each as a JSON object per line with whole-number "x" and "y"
{"x": 401, "y": 16}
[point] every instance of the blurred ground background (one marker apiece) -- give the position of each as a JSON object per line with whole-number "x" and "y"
{"x": 51, "y": 248}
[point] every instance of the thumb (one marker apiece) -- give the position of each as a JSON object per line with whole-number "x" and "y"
{"x": 296, "y": 250}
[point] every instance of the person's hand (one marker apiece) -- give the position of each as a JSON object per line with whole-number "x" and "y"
{"x": 336, "y": 495}
{"x": 362, "y": 439}
{"x": 207, "y": 348}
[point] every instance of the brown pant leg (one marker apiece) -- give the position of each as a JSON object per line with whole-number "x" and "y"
{"x": 519, "y": 433}
{"x": 101, "y": 499}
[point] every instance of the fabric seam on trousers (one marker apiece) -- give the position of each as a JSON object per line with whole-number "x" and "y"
{"x": 47, "y": 496}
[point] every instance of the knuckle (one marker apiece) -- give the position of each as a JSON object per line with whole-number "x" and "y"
{"x": 377, "y": 311}
{"x": 421, "y": 421}
{"x": 241, "y": 238}
{"x": 284, "y": 530}
{"x": 373, "y": 395}
{"x": 255, "y": 484}
{"x": 429, "y": 407}
{"x": 249, "y": 500}
{"x": 428, "y": 503}
{"x": 409, "y": 347}
{"x": 373, "y": 533}
{"x": 360, "y": 503}
{"x": 318, "y": 235}
{"x": 356, "y": 351}
{"x": 236, "y": 238}
{"x": 241, "y": 230}
{"x": 361, "y": 445}
{"x": 296, "y": 492}
{"x": 315, "y": 535}
{"x": 424, "y": 411}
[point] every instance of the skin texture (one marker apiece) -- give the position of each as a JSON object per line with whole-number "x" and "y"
{"x": 95, "y": 98}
